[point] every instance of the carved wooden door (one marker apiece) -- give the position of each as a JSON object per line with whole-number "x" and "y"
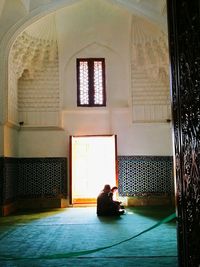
{"x": 184, "y": 45}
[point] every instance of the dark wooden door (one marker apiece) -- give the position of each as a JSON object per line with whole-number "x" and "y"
{"x": 184, "y": 46}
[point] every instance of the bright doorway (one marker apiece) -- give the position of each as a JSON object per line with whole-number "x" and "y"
{"x": 93, "y": 164}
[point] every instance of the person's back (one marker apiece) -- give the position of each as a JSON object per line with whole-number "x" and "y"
{"x": 103, "y": 204}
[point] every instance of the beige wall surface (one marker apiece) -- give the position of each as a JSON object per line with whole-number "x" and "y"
{"x": 10, "y": 141}
{"x": 94, "y": 29}
{"x": 42, "y": 143}
{"x": 86, "y": 29}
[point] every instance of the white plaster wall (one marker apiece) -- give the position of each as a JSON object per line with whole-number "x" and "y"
{"x": 101, "y": 30}
{"x": 117, "y": 77}
{"x": 26, "y": 4}
{"x": 12, "y": 98}
{"x": 2, "y": 2}
{"x": 94, "y": 29}
{"x": 42, "y": 143}
{"x": 141, "y": 138}
{"x": 87, "y": 122}
{"x": 132, "y": 139}
{"x": 10, "y": 141}
{"x": 12, "y": 11}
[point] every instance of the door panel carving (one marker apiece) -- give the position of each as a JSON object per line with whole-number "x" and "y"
{"x": 184, "y": 44}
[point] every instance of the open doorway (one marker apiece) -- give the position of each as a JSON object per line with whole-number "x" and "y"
{"x": 93, "y": 164}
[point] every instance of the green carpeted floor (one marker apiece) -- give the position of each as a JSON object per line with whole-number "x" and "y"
{"x": 48, "y": 238}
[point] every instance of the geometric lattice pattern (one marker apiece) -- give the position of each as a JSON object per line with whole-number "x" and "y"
{"x": 1, "y": 179}
{"x": 98, "y": 83}
{"x": 32, "y": 178}
{"x": 10, "y": 180}
{"x": 84, "y": 82}
{"x": 91, "y": 82}
{"x": 143, "y": 175}
{"x": 42, "y": 177}
{"x": 47, "y": 177}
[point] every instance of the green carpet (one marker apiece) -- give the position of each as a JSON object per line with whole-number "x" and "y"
{"x": 27, "y": 239}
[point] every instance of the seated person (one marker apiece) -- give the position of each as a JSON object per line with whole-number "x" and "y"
{"x": 105, "y": 204}
{"x": 112, "y": 192}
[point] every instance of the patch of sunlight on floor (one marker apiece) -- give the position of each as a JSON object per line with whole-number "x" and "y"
{"x": 129, "y": 212}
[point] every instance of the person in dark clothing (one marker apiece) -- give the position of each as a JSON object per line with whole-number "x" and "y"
{"x": 105, "y": 204}
{"x": 112, "y": 192}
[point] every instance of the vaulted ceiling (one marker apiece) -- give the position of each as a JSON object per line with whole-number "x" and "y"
{"x": 13, "y": 11}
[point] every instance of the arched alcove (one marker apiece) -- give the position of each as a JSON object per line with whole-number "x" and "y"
{"x": 41, "y": 81}
{"x": 33, "y": 79}
{"x": 115, "y": 67}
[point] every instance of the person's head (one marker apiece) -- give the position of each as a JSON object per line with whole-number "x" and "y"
{"x": 106, "y": 188}
{"x": 114, "y": 189}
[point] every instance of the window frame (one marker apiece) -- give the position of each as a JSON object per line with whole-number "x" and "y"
{"x": 91, "y": 92}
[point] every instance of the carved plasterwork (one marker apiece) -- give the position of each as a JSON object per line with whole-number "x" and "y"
{"x": 31, "y": 54}
{"x": 149, "y": 73}
{"x": 34, "y": 78}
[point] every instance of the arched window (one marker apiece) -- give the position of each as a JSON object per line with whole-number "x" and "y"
{"x": 91, "y": 90}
